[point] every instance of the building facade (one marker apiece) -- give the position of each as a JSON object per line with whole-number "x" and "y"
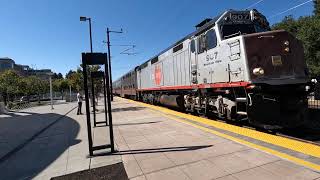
{"x": 23, "y": 70}
{"x": 6, "y": 64}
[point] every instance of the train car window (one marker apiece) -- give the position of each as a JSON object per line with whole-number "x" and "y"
{"x": 193, "y": 46}
{"x": 211, "y": 39}
{"x": 144, "y": 65}
{"x": 154, "y": 60}
{"x": 201, "y": 44}
{"x": 177, "y": 48}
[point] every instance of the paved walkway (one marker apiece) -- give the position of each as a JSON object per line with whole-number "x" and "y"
{"x": 18, "y": 127}
{"x": 58, "y": 150}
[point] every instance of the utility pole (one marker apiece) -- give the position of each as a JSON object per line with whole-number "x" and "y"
{"x": 109, "y": 59}
{"x": 70, "y": 93}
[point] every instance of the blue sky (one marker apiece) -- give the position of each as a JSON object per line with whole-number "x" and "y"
{"x": 48, "y": 33}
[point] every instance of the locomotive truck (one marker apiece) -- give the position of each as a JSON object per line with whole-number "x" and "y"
{"x": 232, "y": 66}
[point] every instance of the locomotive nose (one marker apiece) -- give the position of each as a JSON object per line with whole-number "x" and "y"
{"x": 275, "y": 55}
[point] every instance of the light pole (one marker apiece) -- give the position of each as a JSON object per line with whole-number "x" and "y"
{"x": 70, "y": 93}
{"x": 82, "y": 18}
{"x": 51, "y": 98}
{"x": 109, "y": 59}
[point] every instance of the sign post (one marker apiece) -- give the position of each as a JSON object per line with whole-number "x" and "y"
{"x": 97, "y": 59}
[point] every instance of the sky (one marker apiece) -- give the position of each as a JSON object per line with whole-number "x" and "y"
{"x": 49, "y": 34}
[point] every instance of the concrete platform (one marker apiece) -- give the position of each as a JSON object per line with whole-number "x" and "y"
{"x": 153, "y": 143}
{"x": 157, "y": 144}
{"x": 57, "y": 150}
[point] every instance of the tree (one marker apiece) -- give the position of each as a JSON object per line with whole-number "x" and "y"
{"x": 54, "y": 76}
{"x": 9, "y": 85}
{"x": 60, "y": 85}
{"x": 60, "y": 76}
{"x": 69, "y": 74}
{"x": 307, "y": 30}
{"x": 76, "y": 80}
{"x": 309, "y": 35}
{"x": 37, "y": 86}
{"x": 316, "y": 11}
{"x": 289, "y": 24}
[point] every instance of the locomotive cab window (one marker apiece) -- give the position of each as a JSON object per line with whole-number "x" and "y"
{"x": 201, "y": 44}
{"x": 232, "y": 30}
{"x": 211, "y": 39}
{"x": 193, "y": 46}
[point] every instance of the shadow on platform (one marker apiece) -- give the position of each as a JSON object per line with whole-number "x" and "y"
{"x": 160, "y": 150}
{"x": 128, "y": 124}
{"x": 128, "y": 109}
{"x": 35, "y": 142}
{"x": 155, "y": 150}
{"x": 100, "y": 109}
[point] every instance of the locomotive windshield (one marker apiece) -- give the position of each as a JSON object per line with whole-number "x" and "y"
{"x": 237, "y": 23}
{"x": 231, "y": 30}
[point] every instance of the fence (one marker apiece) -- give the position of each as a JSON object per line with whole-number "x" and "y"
{"x": 22, "y": 103}
{"x": 314, "y": 97}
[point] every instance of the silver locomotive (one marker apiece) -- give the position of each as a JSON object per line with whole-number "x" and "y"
{"x": 232, "y": 66}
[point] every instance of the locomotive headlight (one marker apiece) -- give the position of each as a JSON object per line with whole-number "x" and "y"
{"x": 286, "y": 43}
{"x": 307, "y": 88}
{"x": 287, "y": 49}
{"x": 258, "y": 71}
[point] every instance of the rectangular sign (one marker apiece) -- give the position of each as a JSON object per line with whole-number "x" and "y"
{"x": 94, "y": 58}
{"x": 97, "y": 74}
{"x": 276, "y": 60}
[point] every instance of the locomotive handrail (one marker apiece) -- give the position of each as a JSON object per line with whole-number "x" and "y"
{"x": 231, "y": 35}
{"x": 265, "y": 37}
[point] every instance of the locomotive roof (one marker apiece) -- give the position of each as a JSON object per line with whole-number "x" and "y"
{"x": 200, "y": 28}
{"x": 209, "y": 23}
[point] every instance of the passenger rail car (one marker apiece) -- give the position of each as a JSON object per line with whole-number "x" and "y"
{"x": 126, "y": 86}
{"x": 232, "y": 66}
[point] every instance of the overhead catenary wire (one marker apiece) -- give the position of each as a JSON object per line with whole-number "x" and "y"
{"x": 294, "y": 7}
{"x": 254, "y": 4}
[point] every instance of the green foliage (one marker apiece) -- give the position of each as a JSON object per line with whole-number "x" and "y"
{"x": 289, "y": 24}
{"x": 316, "y": 10}
{"x": 75, "y": 79}
{"x": 57, "y": 76}
{"x": 12, "y": 84}
{"x": 60, "y": 85}
{"x": 9, "y": 85}
{"x": 69, "y": 74}
{"x": 307, "y": 30}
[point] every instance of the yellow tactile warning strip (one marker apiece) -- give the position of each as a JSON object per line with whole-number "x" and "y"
{"x": 302, "y": 147}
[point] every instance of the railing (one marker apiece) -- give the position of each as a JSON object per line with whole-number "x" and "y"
{"x": 314, "y": 98}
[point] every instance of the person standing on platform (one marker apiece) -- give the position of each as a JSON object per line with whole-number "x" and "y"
{"x": 79, "y": 98}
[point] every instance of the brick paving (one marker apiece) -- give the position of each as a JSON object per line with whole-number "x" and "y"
{"x": 151, "y": 146}
{"x": 155, "y": 147}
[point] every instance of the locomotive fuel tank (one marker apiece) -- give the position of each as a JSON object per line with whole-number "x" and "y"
{"x": 174, "y": 101}
{"x": 275, "y": 58}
